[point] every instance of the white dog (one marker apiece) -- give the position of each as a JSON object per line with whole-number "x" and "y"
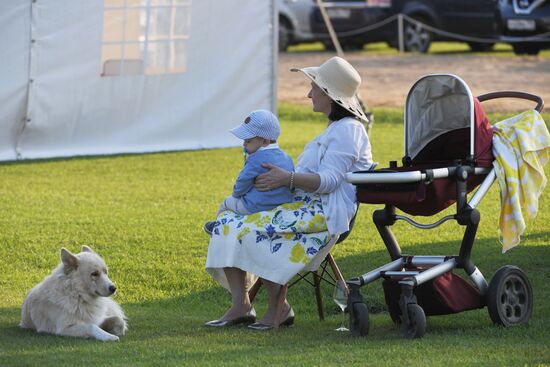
{"x": 74, "y": 300}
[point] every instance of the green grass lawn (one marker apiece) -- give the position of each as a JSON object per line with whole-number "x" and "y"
{"x": 144, "y": 214}
{"x": 436, "y": 48}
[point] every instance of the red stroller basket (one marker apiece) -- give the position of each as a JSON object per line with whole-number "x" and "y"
{"x": 448, "y": 153}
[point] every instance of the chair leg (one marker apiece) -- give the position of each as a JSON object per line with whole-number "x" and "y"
{"x": 280, "y": 306}
{"x": 337, "y": 273}
{"x": 284, "y": 290}
{"x": 318, "y": 295}
{"x": 254, "y": 290}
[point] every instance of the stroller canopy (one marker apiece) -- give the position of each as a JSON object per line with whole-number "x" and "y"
{"x": 445, "y": 126}
{"x": 437, "y": 104}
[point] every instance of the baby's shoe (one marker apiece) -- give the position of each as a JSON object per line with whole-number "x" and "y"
{"x": 209, "y": 227}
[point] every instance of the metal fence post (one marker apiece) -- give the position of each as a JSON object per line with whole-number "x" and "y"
{"x": 400, "y": 33}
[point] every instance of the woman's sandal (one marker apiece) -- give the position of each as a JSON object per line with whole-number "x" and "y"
{"x": 288, "y": 321}
{"x": 247, "y": 319}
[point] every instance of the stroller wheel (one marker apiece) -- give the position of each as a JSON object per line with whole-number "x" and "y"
{"x": 510, "y": 297}
{"x": 416, "y": 327}
{"x": 396, "y": 318}
{"x": 359, "y": 320}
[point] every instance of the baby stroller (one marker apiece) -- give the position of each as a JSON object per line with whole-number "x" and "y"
{"x": 448, "y": 152}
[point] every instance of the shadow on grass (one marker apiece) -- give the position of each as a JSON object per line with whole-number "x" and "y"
{"x": 531, "y": 256}
{"x": 172, "y": 329}
{"x": 164, "y": 332}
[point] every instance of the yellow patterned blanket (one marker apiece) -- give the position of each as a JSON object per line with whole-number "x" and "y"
{"x": 521, "y": 146}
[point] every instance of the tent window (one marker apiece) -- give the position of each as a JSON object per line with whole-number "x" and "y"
{"x": 145, "y": 37}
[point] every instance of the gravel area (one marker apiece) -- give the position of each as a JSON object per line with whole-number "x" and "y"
{"x": 387, "y": 79}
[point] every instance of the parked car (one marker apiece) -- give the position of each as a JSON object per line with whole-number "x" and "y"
{"x": 294, "y": 24}
{"x": 524, "y": 18}
{"x": 474, "y": 18}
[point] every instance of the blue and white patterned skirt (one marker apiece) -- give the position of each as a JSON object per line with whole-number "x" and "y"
{"x": 274, "y": 245}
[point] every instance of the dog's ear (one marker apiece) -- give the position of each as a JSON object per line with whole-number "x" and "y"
{"x": 86, "y": 249}
{"x": 69, "y": 260}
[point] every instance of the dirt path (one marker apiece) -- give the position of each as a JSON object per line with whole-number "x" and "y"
{"x": 387, "y": 79}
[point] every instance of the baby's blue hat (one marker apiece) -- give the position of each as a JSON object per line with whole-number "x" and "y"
{"x": 261, "y": 123}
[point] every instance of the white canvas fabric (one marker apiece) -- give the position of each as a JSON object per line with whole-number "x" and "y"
{"x": 55, "y": 103}
{"x": 14, "y": 72}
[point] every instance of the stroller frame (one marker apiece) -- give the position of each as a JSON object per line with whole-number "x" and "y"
{"x": 428, "y": 268}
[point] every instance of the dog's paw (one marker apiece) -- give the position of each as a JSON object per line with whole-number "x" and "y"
{"x": 114, "y": 325}
{"x": 119, "y": 329}
{"x": 108, "y": 338}
{"x": 100, "y": 334}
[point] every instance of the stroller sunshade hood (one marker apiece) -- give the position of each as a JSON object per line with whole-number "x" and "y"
{"x": 436, "y": 104}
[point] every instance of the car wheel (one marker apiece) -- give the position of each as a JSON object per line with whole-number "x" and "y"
{"x": 520, "y": 49}
{"x": 416, "y": 37}
{"x": 481, "y": 47}
{"x": 352, "y": 46}
{"x": 346, "y": 46}
{"x": 329, "y": 46}
{"x": 284, "y": 35}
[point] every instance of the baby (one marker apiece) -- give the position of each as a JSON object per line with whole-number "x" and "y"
{"x": 259, "y": 131}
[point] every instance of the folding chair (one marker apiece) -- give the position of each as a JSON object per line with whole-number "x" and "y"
{"x": 330, "y": 276}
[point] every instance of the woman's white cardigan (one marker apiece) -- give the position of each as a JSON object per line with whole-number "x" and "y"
{"x": 343, "y": 147}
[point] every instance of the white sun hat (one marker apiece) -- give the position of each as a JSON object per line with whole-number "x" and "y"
{"x": 259, "y": 123}
{"x": 340, "y": 81}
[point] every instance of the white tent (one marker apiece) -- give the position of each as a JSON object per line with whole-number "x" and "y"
{"x": 86, "y": 77}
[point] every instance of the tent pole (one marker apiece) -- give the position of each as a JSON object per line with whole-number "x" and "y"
{"x": 340, "y": 53}
{"x": 400, "y": 32}
{"x": 331, "y": 32}
{"x": 274, "y": 57}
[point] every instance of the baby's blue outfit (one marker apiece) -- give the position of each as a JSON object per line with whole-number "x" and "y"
{"x": 254, "y": 200}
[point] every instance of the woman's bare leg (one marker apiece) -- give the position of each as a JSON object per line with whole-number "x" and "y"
{"x": 240, "y": 303}
{"x": 273, "y": 290}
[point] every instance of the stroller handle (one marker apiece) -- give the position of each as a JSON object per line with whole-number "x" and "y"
{"x": 373, "y": 177}
{"x": 514, "y": 94}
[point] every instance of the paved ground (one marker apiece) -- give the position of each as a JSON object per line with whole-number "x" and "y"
{"x": 387, "y": 79}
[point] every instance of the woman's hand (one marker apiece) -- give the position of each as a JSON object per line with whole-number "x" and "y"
{"x": 275, "y": 177}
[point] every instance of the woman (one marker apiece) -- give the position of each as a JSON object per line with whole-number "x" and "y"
{"x": 276, "y": 245}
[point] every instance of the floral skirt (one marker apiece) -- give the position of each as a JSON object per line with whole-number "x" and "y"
{"x": 274, "y": 245}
